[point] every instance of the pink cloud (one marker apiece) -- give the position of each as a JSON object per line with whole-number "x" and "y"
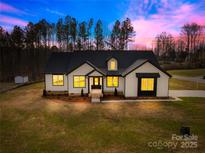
{"x": 8, "y": 8}
{"x": 12, "y": 21}
{"x": 170, "y": 17}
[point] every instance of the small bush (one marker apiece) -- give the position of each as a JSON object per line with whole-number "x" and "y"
{"x": 82, "y": 93}
{"x": 115, "y": 93}
{"x": 44, "y": 92}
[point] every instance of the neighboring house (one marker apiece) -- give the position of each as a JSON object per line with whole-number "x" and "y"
{"x": 131, "y": 73}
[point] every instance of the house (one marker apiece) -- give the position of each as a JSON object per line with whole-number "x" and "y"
{"x": 131, "y": 73}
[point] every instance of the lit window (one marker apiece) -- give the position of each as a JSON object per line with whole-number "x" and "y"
{"x": 96, "y": 81}
{"x": 147, "y": 84}
{"x": 113, "y": 65}
{"x": 79, "y": 81}
{"x": 58, "y": 80}
{"x": 112, "y": 81}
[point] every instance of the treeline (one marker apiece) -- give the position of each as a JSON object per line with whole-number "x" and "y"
{"x": 24, "y": 51}
{"x": 188, "y": 48}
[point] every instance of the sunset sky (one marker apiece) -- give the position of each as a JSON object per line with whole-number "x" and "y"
{"x": 149, "y": 17}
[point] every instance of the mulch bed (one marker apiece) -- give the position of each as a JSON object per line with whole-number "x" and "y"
{"x": 69, "y": 98}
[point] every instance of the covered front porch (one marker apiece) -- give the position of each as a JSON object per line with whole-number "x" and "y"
{"x": 95, "y": 88}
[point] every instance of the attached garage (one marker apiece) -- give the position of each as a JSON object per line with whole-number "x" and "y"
{"x": 146, "y": 80}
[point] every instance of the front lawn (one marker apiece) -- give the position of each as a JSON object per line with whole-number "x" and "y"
{"x": 30, "y": 123}
{"x": 188, "y": 72}
{"x": 176, "y": 84}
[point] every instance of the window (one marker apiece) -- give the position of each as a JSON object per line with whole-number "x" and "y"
{"x": 112, "y": 81}
{"x": 112, "y": 65}
{"x": 147, "y": 84}
{"x": 96, "y": 81}
{"x": 58, "y": 80}
{"x": 79, "y": 81}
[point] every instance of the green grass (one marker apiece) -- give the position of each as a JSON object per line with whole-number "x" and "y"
{"x": 30, "y": 123}
{"x": 176, "y": 84}
{"x": 188, "y": 72}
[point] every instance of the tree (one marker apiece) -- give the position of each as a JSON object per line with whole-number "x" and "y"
{"x": 115, "y": 35}
{"x": 165, "y": 45}
{"x": 5, "y": 38}
{"x": 90, "y": 24}
{"x": 17, "y": 37}
{"x": 99, "y": 35}
{"x": 83, "y": 35}
{"x": 30, "y": 35}
{"x": 59, "y": 32}
{"x": 122, "y": 34}
{"x": 44, "y": 28}
{"x": 73, "y": 31}
{"x": 190, "y": 33}
{"x": 67, "y": 31}
{"x": 126, "y": 34}
{"x": 53, "y": 33}
{"x": 37, "y": 28}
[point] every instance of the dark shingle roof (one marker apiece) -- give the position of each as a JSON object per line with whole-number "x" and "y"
{"x": 65, "y": 62}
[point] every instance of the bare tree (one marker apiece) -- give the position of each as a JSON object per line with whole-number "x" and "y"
{"x": 165, "y": 45}
{"x": 191, "y": 34}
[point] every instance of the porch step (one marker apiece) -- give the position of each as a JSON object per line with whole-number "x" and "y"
{"x": 95, "y": 95}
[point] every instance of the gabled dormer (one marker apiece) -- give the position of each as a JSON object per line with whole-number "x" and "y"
{"x": 112, "y": 64}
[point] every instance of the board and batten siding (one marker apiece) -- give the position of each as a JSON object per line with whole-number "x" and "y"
{"x": 131, "y": 81}
{"x": 82, "y": 70}
{"x": 49, "y": 83}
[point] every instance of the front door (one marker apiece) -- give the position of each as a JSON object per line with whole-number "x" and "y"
{"x": 147, "y": 86}
{"x": 95, "y": 82}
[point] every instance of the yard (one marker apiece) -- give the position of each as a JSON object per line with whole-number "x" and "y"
{"x": 176, "y": 84}
{"x": 31, "y": 123}
{"x": 188, "y": 72}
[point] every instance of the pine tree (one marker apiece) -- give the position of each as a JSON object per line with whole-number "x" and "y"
{"x": 99, "y": 38}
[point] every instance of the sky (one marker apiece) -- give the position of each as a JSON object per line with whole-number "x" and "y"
{"x": 149, "y": 17}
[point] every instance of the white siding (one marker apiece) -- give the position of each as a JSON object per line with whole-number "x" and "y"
{"x": 95, "y": 73}
{"x": 82, "y": 70}
{"x": 131, "y": 81}
{"x": 49, "y": 86}
{"x": 120, "y": 88}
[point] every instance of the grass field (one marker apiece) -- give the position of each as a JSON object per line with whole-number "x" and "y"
{"x": 30, "y": 123}
{"x": 176, "y": 84}
{"x": 189, "y": 72}
{"x": 6, "y": 85}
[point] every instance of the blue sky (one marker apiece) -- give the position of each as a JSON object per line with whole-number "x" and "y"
{"x": 149, "y": 17}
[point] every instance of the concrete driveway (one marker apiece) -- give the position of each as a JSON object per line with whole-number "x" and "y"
{"x": 187, "y": 93}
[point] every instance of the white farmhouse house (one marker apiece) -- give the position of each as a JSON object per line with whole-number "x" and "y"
{"x": 130, "y": 73}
